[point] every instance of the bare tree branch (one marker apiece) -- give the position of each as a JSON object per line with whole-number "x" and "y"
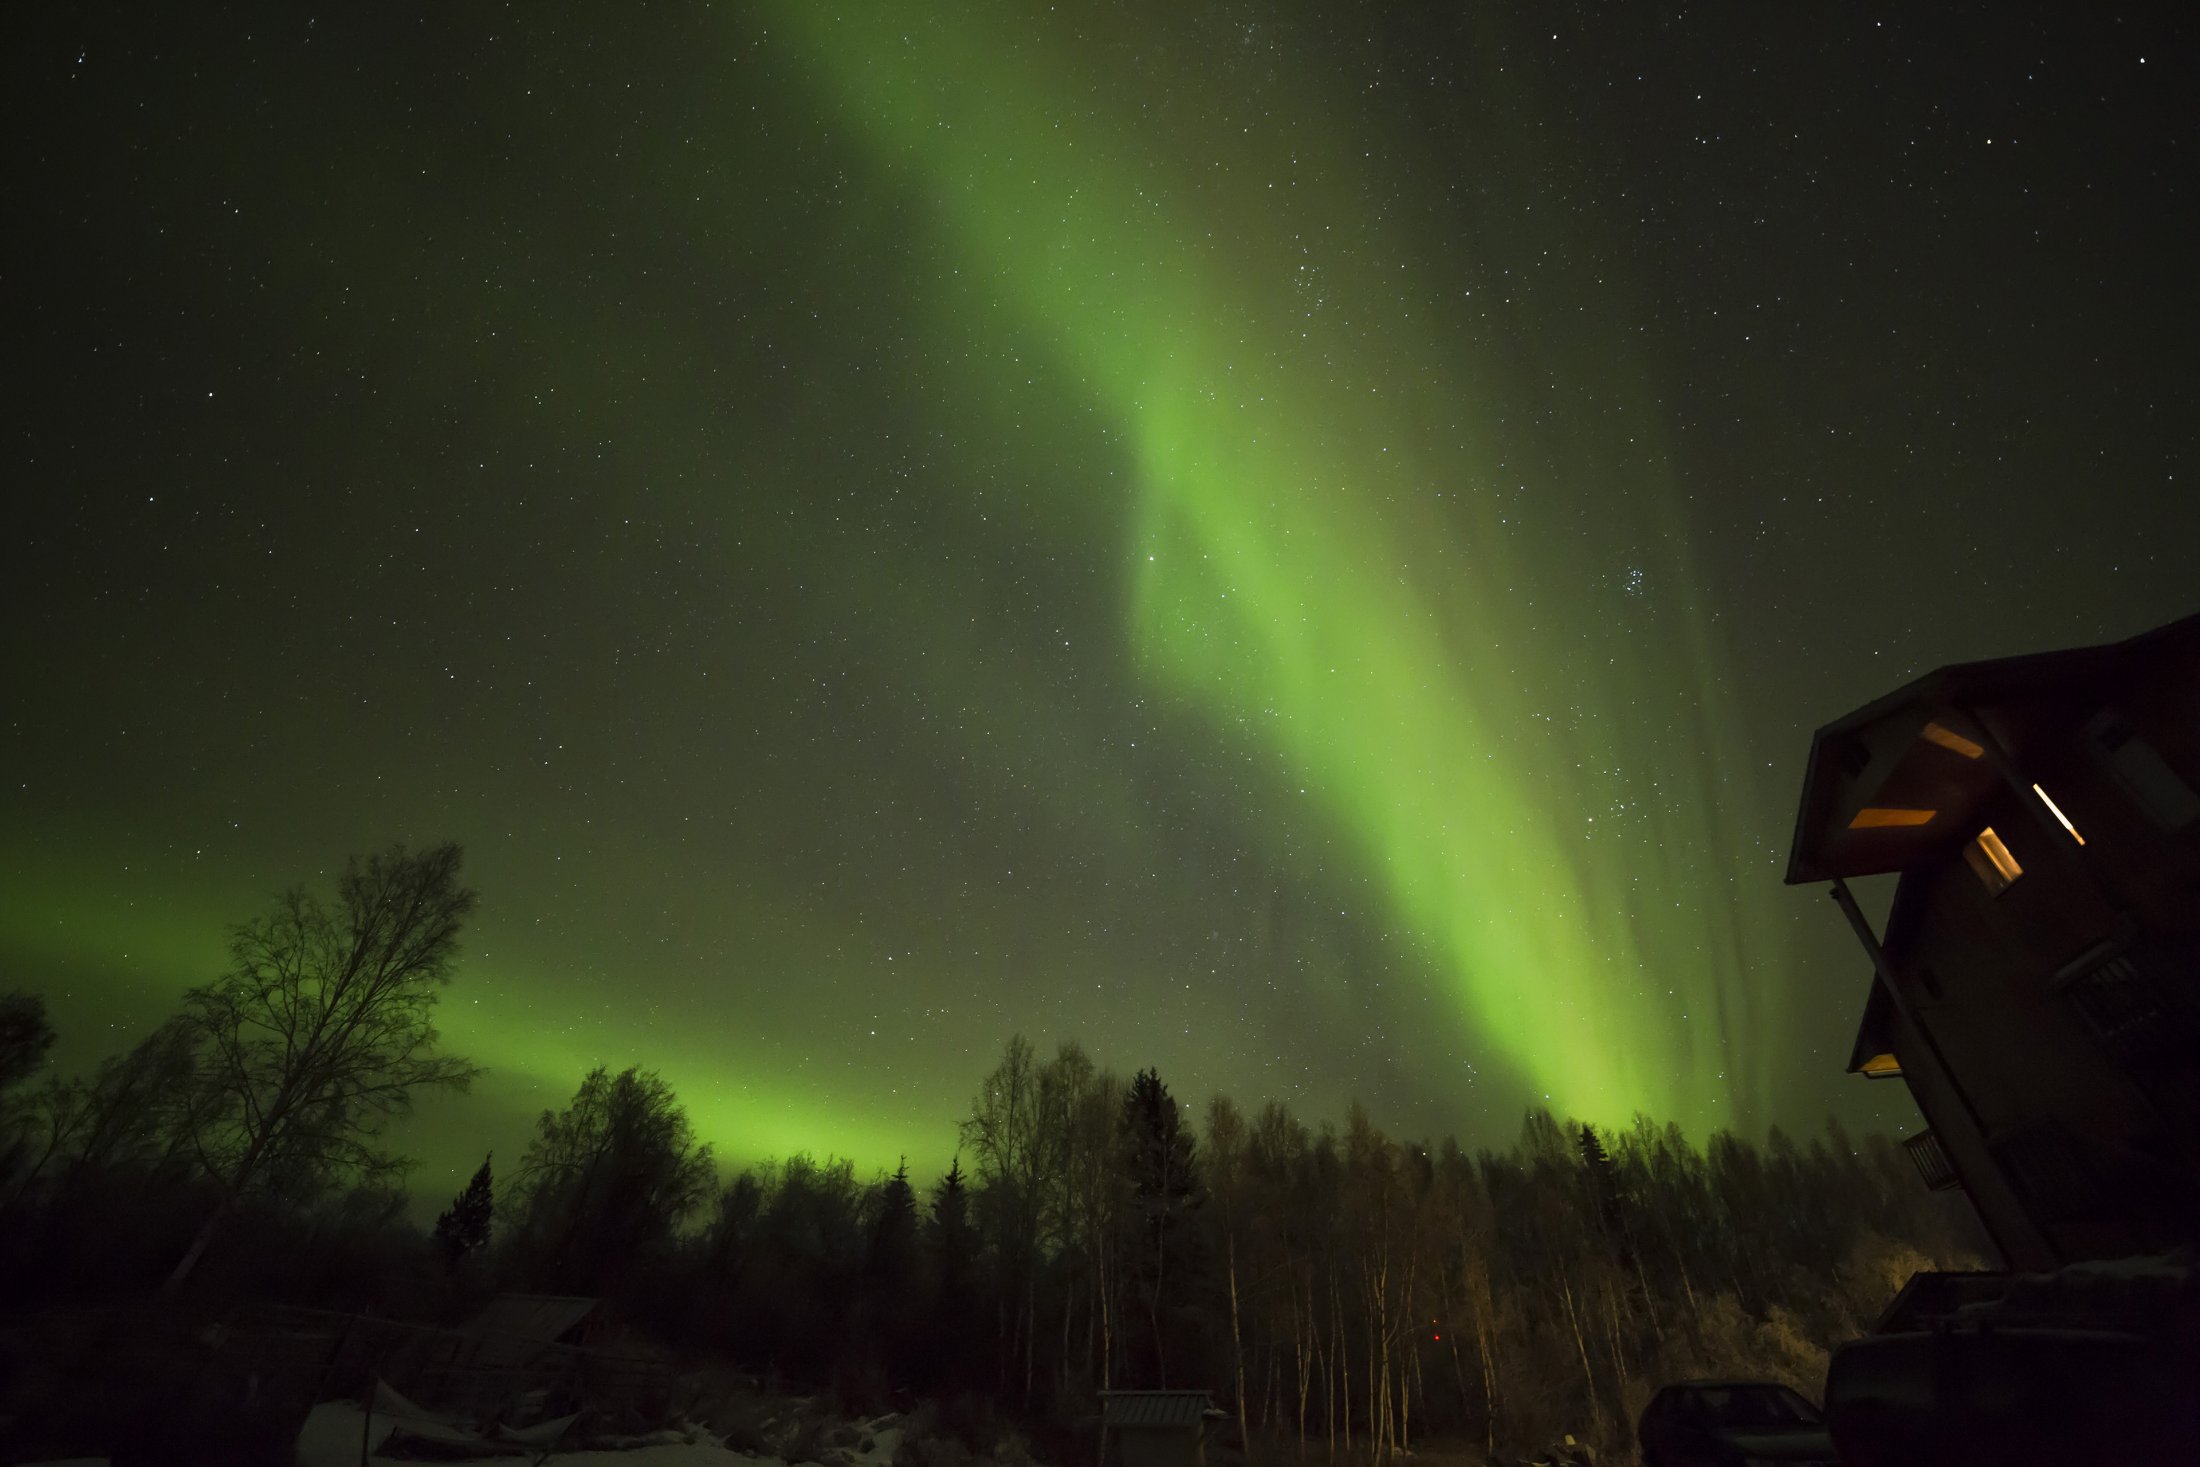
{"x": 319, "y": 1034}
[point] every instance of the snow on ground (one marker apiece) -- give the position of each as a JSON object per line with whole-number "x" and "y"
{"x": 671, "y": 1454}
{"x": 683, "y": 1454}
{"x": 334, "y": 1434}
{"x": 333, "y": 1430}
{"x": 885, "y": 1441}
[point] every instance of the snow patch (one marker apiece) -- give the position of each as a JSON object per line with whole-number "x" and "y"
{"x": 333, "y": 1433}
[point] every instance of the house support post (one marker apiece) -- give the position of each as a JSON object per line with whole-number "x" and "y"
{"x": 1900, "y": 998}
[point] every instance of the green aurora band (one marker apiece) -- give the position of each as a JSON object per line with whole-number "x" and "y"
{"x": 1370, "y": 532}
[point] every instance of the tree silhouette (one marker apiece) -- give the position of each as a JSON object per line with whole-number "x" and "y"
{"x": 25, "y": 1037}
{"x": 608, "y": 1180}
{"x": 1008, "y": 1133}
{"x": 463, "y": 1227}
{"x": 1164, "y": 1191}
{"x": 1334, "y": 1283}
{"x": 320, "y": 1035}
{"x": 891, "y": 1265}
{"x": 1604, "y": 1194}
{"x": 29, "y": 1130}
{"x": 954, "y": 1249}
{"x": 891, "y": 1258}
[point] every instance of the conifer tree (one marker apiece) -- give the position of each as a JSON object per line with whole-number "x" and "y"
{"x": 890, "y": 1269}
{"x": 954, "y": 1266}
{"x": 891, "y": 1258}
{"x": 463, "y": 1227}
{"x": 1596, "y": 1163}
{"x": 1165, "y": 1190}
{"x": 952, "y": 1242}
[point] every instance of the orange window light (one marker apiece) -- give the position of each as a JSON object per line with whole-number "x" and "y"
{"x": 1879, "y": 817}
{"x": 1992, "y": 846}
{"x": 1949, "y": 739}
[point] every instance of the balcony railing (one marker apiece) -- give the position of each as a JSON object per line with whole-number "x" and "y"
{"x": 1931, "y": 1161}
{"x": 2124, "y": 998}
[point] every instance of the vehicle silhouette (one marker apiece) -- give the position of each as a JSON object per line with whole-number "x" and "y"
{"x": 1730, "y": 1423}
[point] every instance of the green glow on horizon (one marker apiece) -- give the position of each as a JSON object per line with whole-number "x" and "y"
{"x": 742, "y": 1123}
{"x": 161, "y": 927}
{"x": 1321, "y": 551}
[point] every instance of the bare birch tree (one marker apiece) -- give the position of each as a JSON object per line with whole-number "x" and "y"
{"x": 1226, "y": 1166}
{"x": 319, "y": 1035}
{"x": 1007, "y": 1133}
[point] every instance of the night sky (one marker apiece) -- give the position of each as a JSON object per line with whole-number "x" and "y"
{"x": 1300, "y": 546}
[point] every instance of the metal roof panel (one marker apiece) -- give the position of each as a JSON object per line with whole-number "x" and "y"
{"x": 1183, "y": 1409}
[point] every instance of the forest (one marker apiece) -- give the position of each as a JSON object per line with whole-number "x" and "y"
{"x": 1339, "y": 1290}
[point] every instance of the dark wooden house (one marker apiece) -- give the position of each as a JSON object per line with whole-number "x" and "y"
{"x": 2036, "y": 985}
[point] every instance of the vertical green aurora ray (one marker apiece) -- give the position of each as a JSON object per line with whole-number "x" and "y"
{"x": 1331, "y": 549}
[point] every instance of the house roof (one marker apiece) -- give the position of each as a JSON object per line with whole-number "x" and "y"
{"x": 1154, "y": 1408}
{"x": 1914, "y": 755}
{"x": 531, "y": 1318}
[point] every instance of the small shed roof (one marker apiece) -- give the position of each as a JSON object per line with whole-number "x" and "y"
{"x": 517, "y": 1328}
{"x": 543, "y": 1318}
{"x": 1154, "y": 1408}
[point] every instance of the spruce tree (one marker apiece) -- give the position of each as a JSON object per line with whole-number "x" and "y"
{"x": 954, "y": 1277}
{"x": 891, "y": 1259}
{"x": 1165, "y": 1190}
{"x": 952, "y": 1244}
{"x": 890, "y": 1268}
{"x": 464, "y": 1225}
{"x": 894, "y": 1229}
{"x": 1604, "y": 1193}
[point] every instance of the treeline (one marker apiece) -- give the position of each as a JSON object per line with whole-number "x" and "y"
{"x": 1340, "y": 1290}
{"x": 255, "y": 1116}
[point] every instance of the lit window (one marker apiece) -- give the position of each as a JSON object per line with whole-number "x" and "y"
{"x": 1992, "y": 861}
{"x": 1880, "y": 1067}
{"x": 2056, "y": 810}
{"x": 1880, "y": 817}
{"x": 1952, "y": 741}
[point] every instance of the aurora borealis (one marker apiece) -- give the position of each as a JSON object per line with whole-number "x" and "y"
{"x": 1326, "y": 571}
{"x": 1298, "y": 547}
